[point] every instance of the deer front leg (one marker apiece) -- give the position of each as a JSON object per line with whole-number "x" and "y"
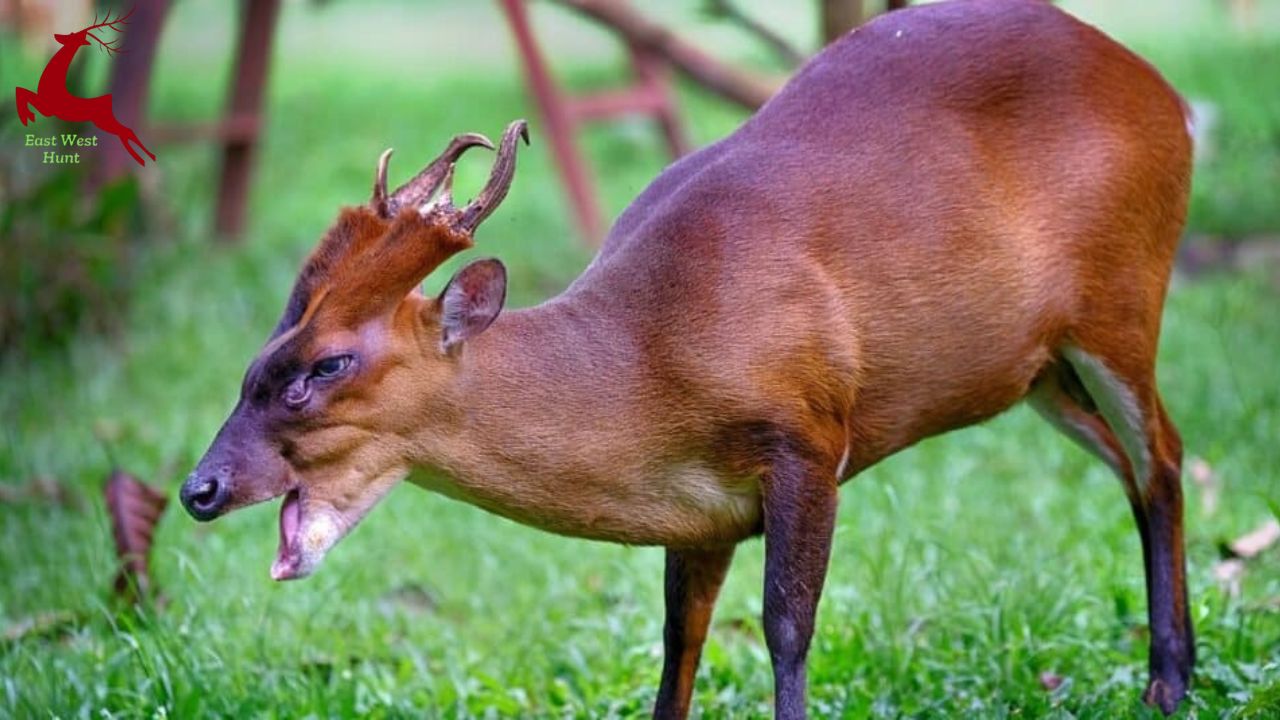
{"x": 799, "y": 514}
{"x": 693, "y": 579}
{"x": 25, "y": 98}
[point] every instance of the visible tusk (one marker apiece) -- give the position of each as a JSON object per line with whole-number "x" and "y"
{"x": 379, "y": 201}
{"x": 504, "y": 170}
{"x": 425, "y": 182}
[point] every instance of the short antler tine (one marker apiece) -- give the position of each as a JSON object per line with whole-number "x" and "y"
{"x": 504, "y": 170}
{"x": 446, "y": 191}
{"x": 444, "y": 200}
{"x": 425, "y": 182}
{"x": 379, "y": 201}
{"x": 466, "y": 140}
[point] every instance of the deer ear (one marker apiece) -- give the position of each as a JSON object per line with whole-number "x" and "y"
{"x": 471, "y": 301}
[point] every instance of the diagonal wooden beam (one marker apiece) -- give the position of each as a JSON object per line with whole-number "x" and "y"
{"x": 738, "y": 86}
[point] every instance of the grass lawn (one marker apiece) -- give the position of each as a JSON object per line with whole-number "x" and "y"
{"x": 963, "y": 569}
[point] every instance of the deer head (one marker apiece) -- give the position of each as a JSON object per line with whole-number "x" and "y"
{"x": 327, "y": 406}
{"x": 82, "y": 37}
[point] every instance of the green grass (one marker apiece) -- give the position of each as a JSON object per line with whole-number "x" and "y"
{"x": 962, "y": 569}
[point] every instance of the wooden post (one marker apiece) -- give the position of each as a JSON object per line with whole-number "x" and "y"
{"x": 839, "y": 17}
{"x": 563, "y": 114}
{"x": 652, "y": 74}
{"x": 558, "y": 121}
{"x": 253, "y": 55}
{"x": 130, "y": 88}
{"x": 737, "y": 86}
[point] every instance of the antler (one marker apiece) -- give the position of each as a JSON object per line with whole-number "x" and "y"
{"x": 504, "y": 170}
{"x": 109, "y": 23}
{"x": 117, "y": 25}
{"x": 425, "y": 182}
{"x": 440, "y": 173}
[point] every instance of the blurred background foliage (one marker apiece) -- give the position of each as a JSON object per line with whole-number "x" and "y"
{"x": 966, "y": 568}
{"x": 79, "y": 251}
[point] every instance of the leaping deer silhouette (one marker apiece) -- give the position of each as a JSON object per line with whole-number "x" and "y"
{"x": 53, "y": 98}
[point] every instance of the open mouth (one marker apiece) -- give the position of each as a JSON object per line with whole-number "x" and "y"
{"x": 308, "y": 529}
{"x": 310, "y": 526}
{"x": 289, "y": 554}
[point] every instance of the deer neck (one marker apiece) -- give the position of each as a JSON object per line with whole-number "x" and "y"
{"x": 54, "y": 76}
{"x": 536, "y": 390}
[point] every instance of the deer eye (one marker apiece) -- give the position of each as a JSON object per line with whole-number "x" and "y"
{"x": 331, "y": 366}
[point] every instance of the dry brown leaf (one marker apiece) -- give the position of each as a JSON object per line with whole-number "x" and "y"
{"x": 1229, "y": 574}
{"x": 1271, "y": 604}
{"x": 135, "y": 508}
{"x": 741, "y": 627}
{"x": 412, "y": 598}
{"x": 1207, "y": 481}
{"x": 54, "y": 622}
{"x": 1253, "y": 543}
{"x": 1050, "y": 680}
{"x": 48, "y": 488}
{"x": 10, "y": 494}
{"x": 40, "y": 489}
{"x": 107, "y": 431}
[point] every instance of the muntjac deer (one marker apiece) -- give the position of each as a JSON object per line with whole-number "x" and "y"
{"x": 954, "y": 208}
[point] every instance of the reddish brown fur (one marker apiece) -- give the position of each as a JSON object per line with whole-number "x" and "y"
{"x": 374, "y": 262}
{"x": 904, "y": 241}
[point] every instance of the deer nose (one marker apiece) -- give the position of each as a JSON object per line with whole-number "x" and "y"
{"x": 205, "y": 495}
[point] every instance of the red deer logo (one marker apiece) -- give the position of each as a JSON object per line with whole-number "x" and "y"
{"x": 53, "y": 99}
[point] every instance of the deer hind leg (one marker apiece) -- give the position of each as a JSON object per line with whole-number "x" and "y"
{"x": 26, "y": 99}
{"x": 107, "y": 122}
{"x": 123, "y": 134}
{"x": 128, "y": 136}
{"x": 693, "y": 579}
{"x": 1116, "y": 413}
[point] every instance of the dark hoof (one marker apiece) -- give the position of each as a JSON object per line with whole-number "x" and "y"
{"x": 1165, "y": 695}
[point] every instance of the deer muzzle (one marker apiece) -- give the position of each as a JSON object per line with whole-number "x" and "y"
{"x": 240, "y": 468}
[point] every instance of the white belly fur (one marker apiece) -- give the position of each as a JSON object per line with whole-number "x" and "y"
{"x": 697, "y": 492}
